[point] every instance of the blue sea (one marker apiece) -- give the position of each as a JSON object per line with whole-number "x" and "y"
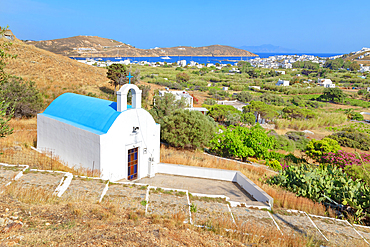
{"x": 203, "y": 59}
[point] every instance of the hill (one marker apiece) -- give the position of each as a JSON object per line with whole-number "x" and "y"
{"x": 54, "y": 74}
{"x": 93, "y": 46}
{"x": 361, "y": 57}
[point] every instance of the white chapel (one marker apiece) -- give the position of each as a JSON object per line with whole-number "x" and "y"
{"x": 119, "y": 140}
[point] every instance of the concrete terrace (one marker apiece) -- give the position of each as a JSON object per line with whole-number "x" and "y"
{"x": 201, "y": 186}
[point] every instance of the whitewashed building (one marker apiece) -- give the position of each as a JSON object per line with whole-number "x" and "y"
{"x": 282, "y": 83}
{"x": 178, "y": 95}
{"x": 325, "y": 83}
{"x": 119, "y": 140}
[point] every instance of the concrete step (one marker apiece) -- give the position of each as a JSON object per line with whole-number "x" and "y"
{"x": 337, "y": 232}
{"x": 249, "y": 216}
{"x": 205, "y": 211}
{"x": 129, "y": 196}
{"x": 7, "y": 174}
{"x": 211, "y": 213}
{"x": 87, "y": 189}
{"x": 293, "y": 223}
{"x": 34, "y": 179}
{"x": 168, "y": 203}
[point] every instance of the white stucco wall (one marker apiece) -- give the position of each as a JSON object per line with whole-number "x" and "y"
{"x": 108, "y": 152}
{"x": 75, "y": 146}
{"x": 120, "y": 138}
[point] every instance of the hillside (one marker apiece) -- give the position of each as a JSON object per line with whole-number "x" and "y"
{"x": 54, "y": 74}
{"x": 93, "y": 46}
{"x": 361, "y": 57}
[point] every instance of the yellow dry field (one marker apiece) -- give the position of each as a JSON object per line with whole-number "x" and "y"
{"x": 54, "y": 74}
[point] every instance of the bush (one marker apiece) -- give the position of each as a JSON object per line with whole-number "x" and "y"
{"x": 182, "y": 77}
{"x": 283, "y": 142}
{"x": 275, "y": 156}
{"x": 274, "y": 164}
{"x": 23, "y": 97}
{"x": 315, "y": 149}
{"x": 299, "y": 138}
{"x": 352, "y": 138}
{"x": 244, "y": 96}
{"x": 187, "y": 129}
{"x": 243, "y": 142}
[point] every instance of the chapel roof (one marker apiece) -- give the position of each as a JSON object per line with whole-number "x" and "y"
{"x": 88, "y": 113}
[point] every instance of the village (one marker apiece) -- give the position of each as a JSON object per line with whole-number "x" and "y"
{"x": 170, "y": 148}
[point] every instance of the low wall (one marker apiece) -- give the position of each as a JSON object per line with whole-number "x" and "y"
{"x": 253, "y": 189}
{"x": 217, "y": 174}
{"x": 197, "y": 172}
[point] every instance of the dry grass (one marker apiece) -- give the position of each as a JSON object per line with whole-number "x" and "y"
{"x": 325, "y": 119}
{"x": 55, "y": 74}
{"x": 282, "y": 198}
{"x": 34, "y": 195}
{"x": 49, "y": 223}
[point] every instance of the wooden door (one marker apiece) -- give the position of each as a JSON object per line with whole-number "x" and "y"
{"x": 132, "y": 163}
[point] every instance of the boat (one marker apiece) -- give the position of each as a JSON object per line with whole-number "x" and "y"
{"x": 166, "y": 57}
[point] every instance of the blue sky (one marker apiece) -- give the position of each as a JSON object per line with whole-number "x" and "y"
{"x": 324, "y": 26}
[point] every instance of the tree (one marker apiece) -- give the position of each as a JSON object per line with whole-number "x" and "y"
{"x": 187, "y": 129}
{"x": 219, "y": 112}
{"x": 295, "y": 112}
{"x": 317, "y": 148}
{"x": 182, "y": 77}
{"x": 333, "y": 94}
{"x": 23, "y": 98}
{"x": 244, "y": 96}
{"x": 4, "y": 119}
{"x": 4, "y": 47}
{"x": 261, "y": 110}
{"x": 243, "y": 142}
{"x": 117, "y": 75}
{"x": 165, "y": 106}
{"x": 248, "y": 118}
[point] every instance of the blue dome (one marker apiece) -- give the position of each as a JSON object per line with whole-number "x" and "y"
{"x": 88, "y": 113}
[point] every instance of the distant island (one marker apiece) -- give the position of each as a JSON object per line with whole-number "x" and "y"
{"x": 93, "y": 46}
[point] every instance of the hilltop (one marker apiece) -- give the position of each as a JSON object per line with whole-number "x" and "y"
{"x": 361, "y": 57}
{"x": 93, "y": 46}
{"x": 53, "y": 74}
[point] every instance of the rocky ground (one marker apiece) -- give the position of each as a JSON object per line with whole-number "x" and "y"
{"x": 96, "y": 212}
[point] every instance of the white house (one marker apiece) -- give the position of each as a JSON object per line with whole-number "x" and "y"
{"x": 282, "y": 83}
{"x": 181, "y": 63}
{"x": 119, "y": 140}
{"x": 178, "y": 95}
{"x": 325, "y": 83}
{"x": 255, "y": 87}
{"x": 235, "y": 103}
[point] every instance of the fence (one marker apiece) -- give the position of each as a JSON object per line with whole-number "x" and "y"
{"x": 45, "y": 160}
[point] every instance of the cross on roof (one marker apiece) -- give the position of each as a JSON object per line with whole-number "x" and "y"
{"x": 129, "y": 78}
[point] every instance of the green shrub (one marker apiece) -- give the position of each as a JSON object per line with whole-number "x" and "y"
{"x": 299, "y": 138}
{"x": 275, "y": 156}
{"x": 187, "y": 129}
{"x": 23, "y": 97}
{"x": 274, "y": 164}
{"x": 315, "y": 149}
{"x": 242, "y": 142}
{"x": 352, "y": 138}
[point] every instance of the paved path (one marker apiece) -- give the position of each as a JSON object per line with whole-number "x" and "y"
{"x": 204, "y": 211}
